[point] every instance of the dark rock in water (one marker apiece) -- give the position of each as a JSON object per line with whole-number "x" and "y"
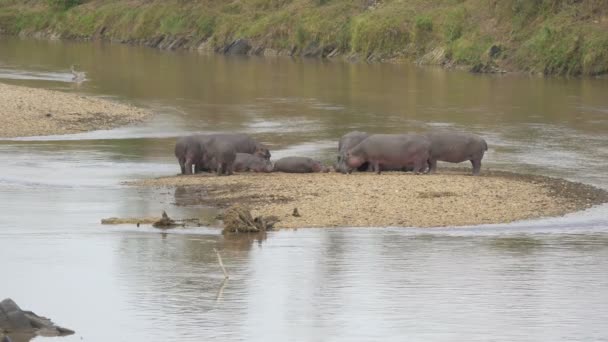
{"x": 238, "y": 219}
{"x": 19, "y": 325}
{"x": 238, "y": 47}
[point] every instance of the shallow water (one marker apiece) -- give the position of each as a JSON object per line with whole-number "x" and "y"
{"x": 527, "y": 281}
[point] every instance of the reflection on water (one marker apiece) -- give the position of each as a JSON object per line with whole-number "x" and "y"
{"x": 528, "y": 281}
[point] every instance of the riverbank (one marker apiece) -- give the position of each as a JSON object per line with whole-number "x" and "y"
{"x": 540, "y": 37}
{"x": 451, "y": 198}
{"x": 32, "y": 112}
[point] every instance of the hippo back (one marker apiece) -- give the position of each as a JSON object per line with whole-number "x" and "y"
{"x": 296, "y": 165}
{"x": 242, "y": 143}
{"x": 455, "y": 146}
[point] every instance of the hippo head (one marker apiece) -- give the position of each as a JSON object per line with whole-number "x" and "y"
{"x": 262, "y": 151}
{"x": 318, "y": 167}
{"x": 352, "y": 161}
{"x": 269, "y": 166}
{"x": 340, "y": 165}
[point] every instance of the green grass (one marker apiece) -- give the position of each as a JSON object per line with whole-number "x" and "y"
{"x": 562, "y": 37}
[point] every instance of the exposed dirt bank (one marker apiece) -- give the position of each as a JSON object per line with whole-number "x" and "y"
{"x": 391, "y": 199}
{"x": 31, "y": 112}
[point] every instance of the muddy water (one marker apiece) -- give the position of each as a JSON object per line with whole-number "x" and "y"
{"x": 528, "y": 281}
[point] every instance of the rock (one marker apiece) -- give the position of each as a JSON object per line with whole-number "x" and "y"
{"x": 295, "y": 213}
{"x": 26, "y": 324}
{"x": 238, "y": 219}
{"x": 238, "y": 47}
{"x": 333, "y": 53}
{"x": 268, "y": 52}
{"x": 435, "y": 57}
{"x": 369, "y": 4}
{"x": 486, "y": 68}
{"x": 312, "y": 50}
{"x": 494, "y": 51}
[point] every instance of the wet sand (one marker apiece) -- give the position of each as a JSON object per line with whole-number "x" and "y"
{"x": 451, "y": 198}
{"x": 32, "y": 112}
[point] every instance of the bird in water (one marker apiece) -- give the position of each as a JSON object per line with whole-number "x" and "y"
{"x": 77, "y": 76}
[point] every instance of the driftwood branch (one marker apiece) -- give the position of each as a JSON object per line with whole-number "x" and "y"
{"x": 220, "y": 292}
{"x": 219, "y": 259}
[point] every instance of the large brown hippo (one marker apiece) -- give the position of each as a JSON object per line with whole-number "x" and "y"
{"x": 241, "y": 143}
{"x": 394, "y": 150}
{"x": 248, "y": 162}
{"x": 299, "y": 165}
{"x": 221, "y": 154}
{"x": 455, "y": 148}
{"x": 348, "y": 141}
{"x": 189, "y": 152}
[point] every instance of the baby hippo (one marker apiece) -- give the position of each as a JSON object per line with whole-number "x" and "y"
{"x": 390, "y": 150}
{"x": 455, "y": 148}
{"x": 299, "y": 165}
{"x": 248, "y": 162}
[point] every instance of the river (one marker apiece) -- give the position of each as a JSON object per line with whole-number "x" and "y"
{"x": 540, "y": 280}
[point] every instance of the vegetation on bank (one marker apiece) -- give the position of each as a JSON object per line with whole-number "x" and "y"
{"x": 564, "y": 37}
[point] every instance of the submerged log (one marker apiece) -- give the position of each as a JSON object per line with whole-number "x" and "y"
{"x": 238, "y": 219}
{"x": 166, "y": 222}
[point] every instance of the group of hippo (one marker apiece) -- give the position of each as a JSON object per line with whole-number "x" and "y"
{"x": 225, "y": 153}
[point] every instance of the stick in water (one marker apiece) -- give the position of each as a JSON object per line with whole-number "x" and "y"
{"x": 219, "y": 259}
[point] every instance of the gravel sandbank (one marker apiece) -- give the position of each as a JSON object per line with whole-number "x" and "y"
{"x": 451, "y": 198}
{"x": 31, "y": 112}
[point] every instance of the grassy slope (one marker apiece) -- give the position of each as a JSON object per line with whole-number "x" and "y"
{"x": 568, "y": 37}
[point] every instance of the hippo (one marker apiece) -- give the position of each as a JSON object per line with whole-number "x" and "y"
{"x": 249, "y": 162}
{"x": 299, "y": 165}
{"x": 394, "y": 150}
{"x": 220, "y": 153}
{"x": 25, "y": 325}
{"x": 241, "y": 143}
{"x": 455, "y": 148}
{"x": 189, "y": 151}
{"x": 348, "y": 141}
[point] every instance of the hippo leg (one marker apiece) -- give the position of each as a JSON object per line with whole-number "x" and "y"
{"x": 419, "y": 167}
{"x": 476, "y": 166}
{"x": 229, "y": 169}
{"x": 432, "y": 165}
{"x": 367, "y": 167}
{"x": 182, "y": 166}
{"x": 219, "y": 169}
{"x": 376, "y": 167}
{"x": 188, "y": 166}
